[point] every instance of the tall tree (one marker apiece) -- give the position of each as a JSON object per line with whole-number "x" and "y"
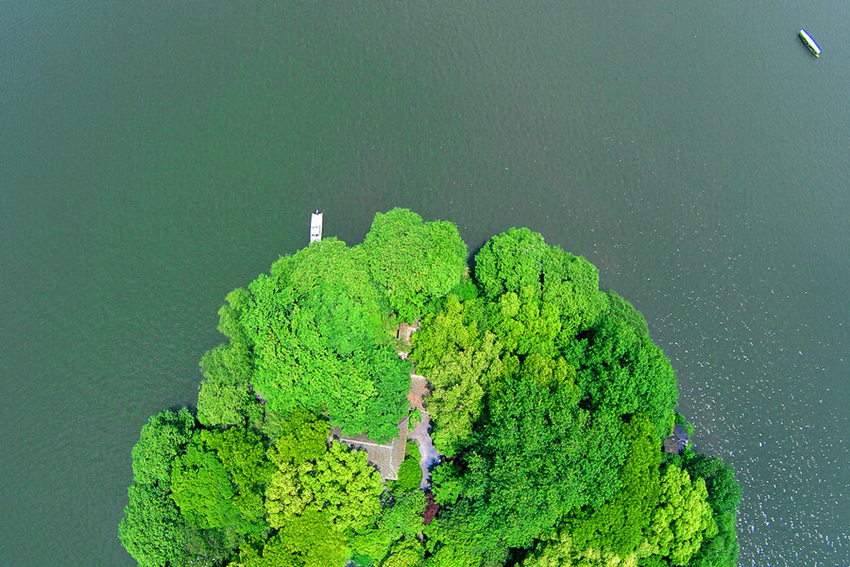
{"x": 308, "y": 540}
{"x": 571, "y": 284}
{"x": 515, "y": 483}
{"x": 458, "y": 386}
{"x": 161, "y": 440}
{"x": 523, "y": 324}
{"x": 723, "y": 495}
{"x": 338, "y": 481}
{"x": 400, "y": 521}
{"x": 151, "y": 528}
{"x": 621, "y": 371}
{"x": 309, "y": 335}
{"x": 225, "y": 396}
{"x": 510, "y": 261}
{"x": 202, "y": 490}
{"x": 243, "y": 454}
{"x": 413, "y": 262}
{"x": 682, "y": 519}
{"x": 619, "y": 525}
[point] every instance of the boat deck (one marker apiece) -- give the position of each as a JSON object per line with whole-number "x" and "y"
{"x": 316, "y": 227}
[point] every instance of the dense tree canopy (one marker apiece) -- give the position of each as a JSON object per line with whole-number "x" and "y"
{"x": 337, "y": 482}
{"x": 316, "y": 332}
{"x": 548, "y": 402}
{"x": 162, "y": 439}
{"x": 413, "y": 262}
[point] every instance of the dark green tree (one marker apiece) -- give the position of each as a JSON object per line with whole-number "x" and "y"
{"x": 152, "y": 527}
{"x": 153, "y": 530}
{"x": 243, "y": 454}
{"x": 618, "y": 525}
{"x": 162, "y": 439}
{"x": 400, "y": 521}
{"x": 516, "y": 485}
{"x": 202, "y": 489}
{"x": 621, "y": 371}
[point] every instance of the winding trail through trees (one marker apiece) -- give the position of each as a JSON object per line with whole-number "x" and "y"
{"x": 428, "y": 454}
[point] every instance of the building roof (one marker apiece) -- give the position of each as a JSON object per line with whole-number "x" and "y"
{"x": 387, "y": 457}
{"x": 405, "y": 331}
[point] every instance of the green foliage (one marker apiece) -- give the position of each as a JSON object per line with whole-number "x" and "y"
{"x": 415, "y": 419}
{"x": 202, "y": 490}
{"x": 458, "y": 387}
{"x": 466, "y": 289}
{"x": 510, "y": 261}
{"x": 408, "y": 553}
{"x": 403, "y": 520}
{"x": 447, "y": 482}
{"x": 321, "y": 353}
{"x": 225, "y": 396}
{"x": 452, "y": 541}
{"x": 413, "y": 262}
{"x": 723, "y": 490}
{"x": 388, "y": 405}
{"x": 618, "y": 526}
{"x": 656, "y": 519}
{"x": 400, "y": 521}
{"x": 338, "y": 481}
{"x": 722, "y": 549}
{"x": 524, "y": 325}
{"x": 562, "y": 551}
{"x": 313, "y": 334}
{"x": 244, "y": 458}
{"x": 220, "y": 480}
{"x": 460, "y": 363}
{"x": 567, "y": 285}
{"x": 682, "y": 518}
{"x": 302, "y": 438}
{"x": 411, "y": 449}
{"x": 442, "y": 333}
{"x": 150, "y": 530}
{"x": 162, "y": 439}
{"x": 409, "y": 474}
{"x": 620, "y": 371}
{"x": 153, "y": 530}
{"x": 547, "y": 396}
{"x": 551, "y": 340}
{"x": 571, "y": 284}
{"x": 331, "y": 262}
{"x": 307, "y": 540}
{"x": 723, "y": 495}
{"x": 514, "y": 485}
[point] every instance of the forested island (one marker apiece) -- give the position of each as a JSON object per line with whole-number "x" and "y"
{"x": 548, "y": 401}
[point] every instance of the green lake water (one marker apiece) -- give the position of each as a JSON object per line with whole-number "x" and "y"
{"x": 154, "y": 156}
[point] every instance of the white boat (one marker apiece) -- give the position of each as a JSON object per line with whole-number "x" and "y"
{"x": 316, "y": 226}
{"x": 810, "y": 43}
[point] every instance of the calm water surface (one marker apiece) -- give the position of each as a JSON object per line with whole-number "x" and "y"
{"x": 154, "y": 156}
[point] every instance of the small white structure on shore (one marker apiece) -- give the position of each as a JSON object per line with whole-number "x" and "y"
{"x": 316, "y": 226}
